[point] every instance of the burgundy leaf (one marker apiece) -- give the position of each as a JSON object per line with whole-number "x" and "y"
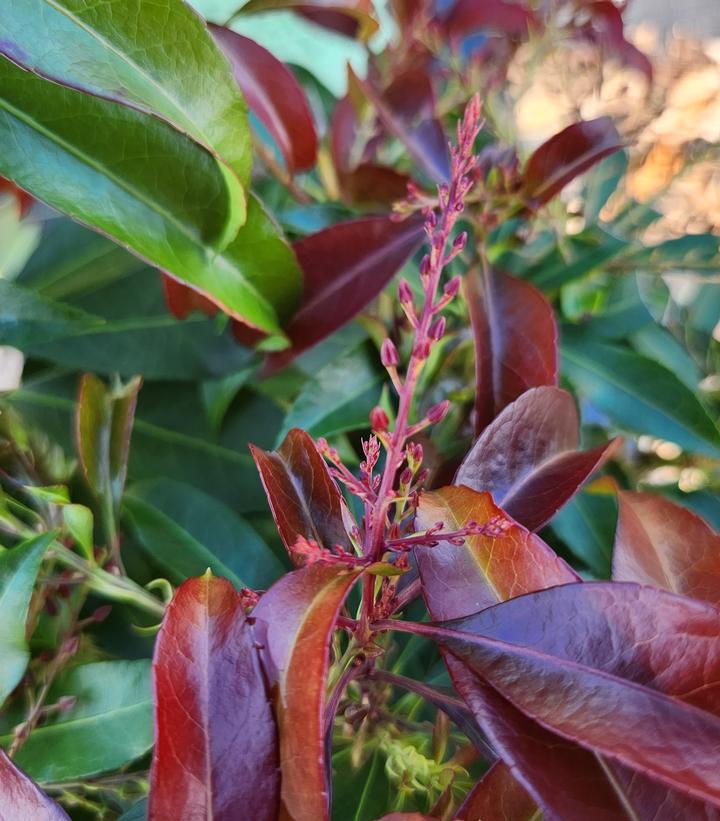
{"x": 467, "y": 17}
{"x": 407, "y": 110}
{"x": 361, "y": 181}
{"x": 303, "y": 497}
{"x": 637, "y": 679}
{"x": 606, "y": 29}
{"x": 566, "y": 155}
{"x": 665, "y": 545}
{"x": 515, "y": 341}
{"x": 326, "y": 12}
{"x": 274, "y": 96}
{"x": 182, "y": 300}
{"x": 294, "y": 620}
{"x": 527, "y": 457}
{"x": 345, "y": 267}
{"x": 21, "y": 798}
{"x": 498, "y": 796}
{"x": 489, "y": 568}
{"x": 216, "y": 748}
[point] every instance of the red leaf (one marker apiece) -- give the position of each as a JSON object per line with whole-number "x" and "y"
{"x": 21, "y": 798}
{"x": 665, "y": 545}
{"x": 567, "y": 155}
{"x": 407, "y": 110}
{"x": 467, "y": 17}
{"x": 607, "y": 30}
{"x": 498, "y": 796}
{"x": 487, "y": 569}
{"x": 182, "y": 300}
{"x": 303, "y": 497}
{"x": 326, "y": 12}
{"x": 527, "y": 457}
{"x": 295, "y": 621}
{"x": 216, "y": 749}
{"x": 274, "y": 96}
{"x": 22, "y": 198}
{"x": 515, "y": 341}
{"x": 636, "y": 679}
{"x": 345, "y": 267}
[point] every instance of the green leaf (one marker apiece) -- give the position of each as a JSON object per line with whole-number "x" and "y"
{"x": 587, "y": 526}
{"x": 18, "y": 570}
{"x": 104, "y": 424}
{"x": 27, "y": 318}
{"x": 338, "y": 399}
{"x": 186, "y": 531}
{"x": 156, "y": 55}
{"x": 293, "y": 39}
{"x": 659, "y": 344}
{"x": 148, "y": 187}
{"x": 138, "y": 812}
{"x": 639, "y": 394}
{"x": 109, "y": 726}
{"x": 602, "y": 182}
{"x": 79, "y": 523}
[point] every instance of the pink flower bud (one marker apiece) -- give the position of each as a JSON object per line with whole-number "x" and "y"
{"x": 438, "y": 412}
{"x": 460, "y": 240}
{"x": 452, "y": 288}
{"x": 406, "y": 477}
{"x": 388, "y": 354}
{"x": 102, "y": 613}
{"x": 404, "y": 293}
{"x": 437, "y": 330}
{"x": 66, "y": 703}
{"x": 379, "y": 421}
{"x": 425, "y": 266}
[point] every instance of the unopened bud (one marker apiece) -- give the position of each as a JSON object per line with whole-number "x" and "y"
{"x": 70, "y": 646}
{"x": 379, "y": 421}
{"x": 437, "y": 330}
{"x": 438, "y": 412}
{"x": 405, "y": 293}
{"x": 425, "y": 266}
{"x": 102, "y": 613}
{"x": 406, "y": 477}
{"x": 388, "y": 354}
{"x": 66, "y": 703}
{"x": 452, "y": 288}
{"x": 459, "y": 241}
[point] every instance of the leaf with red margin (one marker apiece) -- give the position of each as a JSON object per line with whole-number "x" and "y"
{"x": 498, "y": 796}
{"x": 565, "y": 779}
{"x": 487, "y": 569}
{"x": 216, "y": 747}
{"x": 636, "y": 679}
{"x": 345, "y": 267}
{"x": 467, "y": 17}
{"x": 565, "y": 156}
{"x": 606, "y": 29}
{"x": 527, "y": 457}
{"x": 294, "y": 621}
{"x": 303, "y": 497}
{"x": 21, "y": 798}
{"x": 665, "y": 545}
{"x": 406, "y": 108}
{"x": 182, "y": 300}
{"x": 22, "y": 198}
{"x": 274, "y": 96}
{"x": 515, "y": 341}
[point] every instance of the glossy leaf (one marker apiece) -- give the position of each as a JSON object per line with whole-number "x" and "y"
{"x": 21, "y": 798}
{"x": 528, "y": 459}
{"x": 104, "y": 424}
{"x": 467, "y": 17}
{"x": 109, "y": 726}
{"x": 498, "y": 796}
{"x": 294, "y": 621}
{"x": 274, "y": 96}
{"x": 515, "y": 341}
{"x": 487, "y": 569}
{"x": 569, "y": 153}
{"x": 215, "y": 752}
{"x": 185, "y": 531}
{"x": 148, "y": 187}
{"x": 406, "y": 108}
{"x": 141, "y": 56}
{"x": 632, "y": 681}
{"x": 665, "y": 545}
{"x": 303, "y": 497}
{"x": 345, "y": 267}
{"x": 19, "y": 567}
{"x": 639, "y": 394}
{"x": 338, "y": 398}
